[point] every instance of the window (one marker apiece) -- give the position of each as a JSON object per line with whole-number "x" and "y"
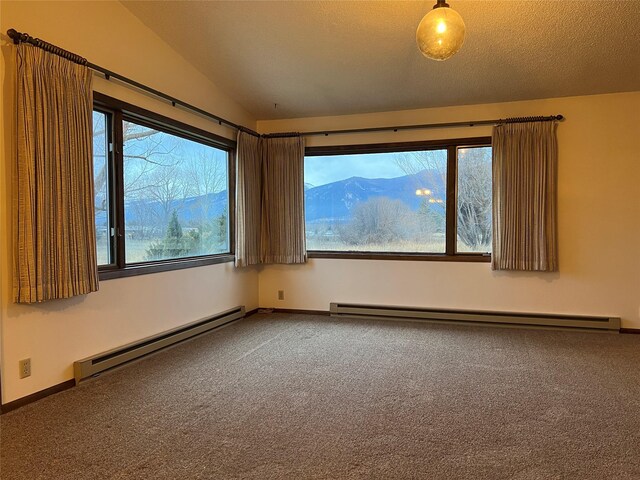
{"x": 376, "y": 202}
{"x": 430, "y": 200}
{"x": 175, "y": 196}
{"x": 101, "y": 174}
{"x": 162, "y": 192}
{"x": 473, "y": 225}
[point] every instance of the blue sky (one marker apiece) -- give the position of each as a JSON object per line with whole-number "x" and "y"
{"x": 321, "y": 170}
{"x": 332, "y": 168}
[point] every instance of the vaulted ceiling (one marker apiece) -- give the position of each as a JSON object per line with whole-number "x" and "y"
{"x": 339, "y": 57}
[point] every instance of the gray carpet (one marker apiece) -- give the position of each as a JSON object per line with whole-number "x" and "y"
{"x": 308, "y": 397}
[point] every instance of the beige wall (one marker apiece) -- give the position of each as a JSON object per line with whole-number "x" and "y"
{"x": 55, "y": 334}
{"x": 599, "y": 221}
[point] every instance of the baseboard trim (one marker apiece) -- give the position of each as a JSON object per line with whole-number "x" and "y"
{"x": 21, "y": 402}
{"x": 630, "y": 330}
{"x": 252, "y": 312}
{"x": 122, "y": 354}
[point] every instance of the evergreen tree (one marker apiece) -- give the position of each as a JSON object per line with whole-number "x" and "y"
{"x": 174, "y": 229}
{"x": 174, "y": 244}
{"x": 432, "y": 221}
{"x": 222, "y": 229}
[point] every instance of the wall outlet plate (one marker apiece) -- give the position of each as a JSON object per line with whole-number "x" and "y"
{"x": 280, "y": 294}
{"x": 25, "y": 368}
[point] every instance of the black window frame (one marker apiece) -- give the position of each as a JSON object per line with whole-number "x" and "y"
{"x": 118, "y": 111}
{"x": 451, "y": 146}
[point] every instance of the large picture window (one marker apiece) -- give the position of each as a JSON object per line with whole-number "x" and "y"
{"x": 163, "y": 192}
{"x": 430, "y": 200}
{"x": 176, "y": 202}
{"x": 376, "y": 202}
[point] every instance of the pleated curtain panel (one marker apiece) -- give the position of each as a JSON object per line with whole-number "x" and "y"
{"x": 525, "y": 158}
{"x": 270, "y": 200}
{"x": 248, "y": 199}
{"x": 54, "y": 237}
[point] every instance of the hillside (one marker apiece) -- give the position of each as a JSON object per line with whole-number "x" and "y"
{"x": 334, "y": 201}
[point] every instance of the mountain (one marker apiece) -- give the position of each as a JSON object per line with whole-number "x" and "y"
{"x": 191, "y": 209}
{"x": 334, "y": 201}
{"x": 330, "y": 202}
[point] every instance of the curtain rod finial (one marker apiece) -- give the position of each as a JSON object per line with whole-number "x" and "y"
{"x": 14, "y": 35}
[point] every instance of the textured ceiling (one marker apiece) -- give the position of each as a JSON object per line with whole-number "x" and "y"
{"x": 316, "y": 58}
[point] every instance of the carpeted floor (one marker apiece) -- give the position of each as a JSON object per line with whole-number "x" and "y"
{"x": 308, "y": 397}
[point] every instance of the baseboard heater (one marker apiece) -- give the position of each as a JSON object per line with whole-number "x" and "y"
{"x": 90, "y": 366}
{"x": 604, "y": 324}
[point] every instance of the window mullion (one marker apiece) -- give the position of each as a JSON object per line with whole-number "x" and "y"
{"x": 111, "y": 148}
{"x": 119, "y": 189}
{"x": 452, "y": 167}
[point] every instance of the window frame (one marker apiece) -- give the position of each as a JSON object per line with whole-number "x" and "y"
{"x": 110, "y": 186}
{"x": 119, "y": 111}
{"x": 451, "y": 146}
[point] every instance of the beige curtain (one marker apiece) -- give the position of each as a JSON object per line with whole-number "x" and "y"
{"x": 270, "y": 200}
{"x": 524, "y": 196}
{"x": 248, "y": 199}
{"x": 54, "y": 237}
{"x": 282, "y": 233}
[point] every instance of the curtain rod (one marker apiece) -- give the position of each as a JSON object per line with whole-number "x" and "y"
{"x": 425, "y": 126}
{"x": 19, "y": 37}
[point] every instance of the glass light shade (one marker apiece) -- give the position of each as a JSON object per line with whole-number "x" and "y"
{"x": 440, "y": 33}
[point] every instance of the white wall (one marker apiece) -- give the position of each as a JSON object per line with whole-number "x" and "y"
{"x": 599, "y": 221}
{"x": 55, "y": 334}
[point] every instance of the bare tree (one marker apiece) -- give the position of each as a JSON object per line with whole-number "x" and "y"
{"x": 166, "y": 188}
{"x": 131, "y": 132}
{"x": 428, "y": 168}
{"x": 204, "y": 174}
{"x": 474, "y": 198}
{"x": 161, "y": 173}
{"x": 473, "y": 189}
{"x": 379, "y": 220}
{"x": 153, "y": 183}
{"x": 100, "y": 149}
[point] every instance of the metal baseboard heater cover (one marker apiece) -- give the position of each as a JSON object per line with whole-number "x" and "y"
{"x": 90, "y": 366}
{"x": 605, "y": 324}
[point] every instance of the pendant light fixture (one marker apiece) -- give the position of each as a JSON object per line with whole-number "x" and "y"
{"x": 441, "y": 32}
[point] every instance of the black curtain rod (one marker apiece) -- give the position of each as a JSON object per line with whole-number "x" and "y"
{"x": 425, "y": 126}
{"x": 18, "y": 37}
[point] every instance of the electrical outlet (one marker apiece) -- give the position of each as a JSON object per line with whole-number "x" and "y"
{"x": 25, "y": 368}
{"x": 280, "y": 294}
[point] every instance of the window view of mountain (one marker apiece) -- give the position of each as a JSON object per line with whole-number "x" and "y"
{"x": 396, "y": 201}
{"x": 176, "y": 201}
{"x": 377, "y": 202}
{"x": 377, "y": 214}
{"x": 175, "y": 195}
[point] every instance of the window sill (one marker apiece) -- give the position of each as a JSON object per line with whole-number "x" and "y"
{"x": 108, "y": 273}
{"x": 416, "y": 257}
